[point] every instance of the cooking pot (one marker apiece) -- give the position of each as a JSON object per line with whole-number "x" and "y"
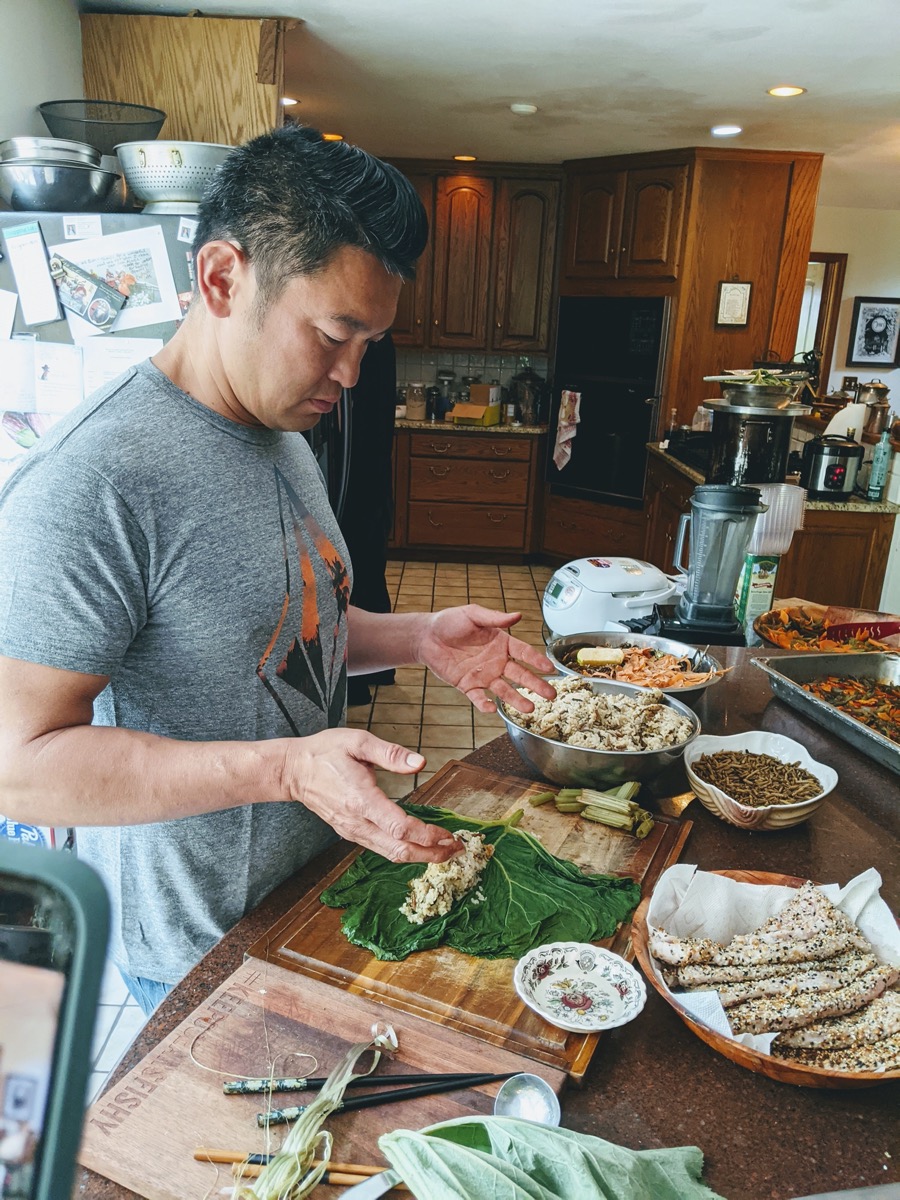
{"x": 874, "y": 394}
{"x": 830, "y": 466}
{"x": 602, "y": 593}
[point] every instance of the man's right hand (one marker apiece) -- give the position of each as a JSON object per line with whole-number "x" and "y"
{"x": 332, "y": 774}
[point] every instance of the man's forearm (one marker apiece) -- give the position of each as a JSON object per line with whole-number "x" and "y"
{"x": 95, "y": 775}
{"x": 381, "y": 640}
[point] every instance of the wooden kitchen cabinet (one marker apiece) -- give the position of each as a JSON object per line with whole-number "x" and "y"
{"x": 464, "y": 213}
{"x": 465, "y": 491}
{"x": 525, "y": 227}
{"x": 575, "y": 528}
{"x": 676, "y": 223}
{"x": 839, "y": 557}
{"x": 625, "y": 224}
{"x": 491, "y": 259}
{"x": 410, "y": 323}
{"x": 667, "y": 496}
{"x": 217, "y": 79}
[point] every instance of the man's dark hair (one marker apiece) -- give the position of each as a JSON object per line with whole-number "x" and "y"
{"x": 291, "y": 200}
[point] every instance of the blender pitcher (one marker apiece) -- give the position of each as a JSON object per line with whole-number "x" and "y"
{"x": 722, "y": 518}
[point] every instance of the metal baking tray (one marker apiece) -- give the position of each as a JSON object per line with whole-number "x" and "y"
{"x": 788, "y": 672}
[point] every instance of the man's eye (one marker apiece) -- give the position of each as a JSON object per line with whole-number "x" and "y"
{"x": 330, "y": 340}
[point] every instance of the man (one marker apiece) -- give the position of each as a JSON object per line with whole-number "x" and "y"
{"x": 175, "y": 629}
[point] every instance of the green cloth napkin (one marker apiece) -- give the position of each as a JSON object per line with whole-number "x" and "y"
{"x": 503, "y": 1158}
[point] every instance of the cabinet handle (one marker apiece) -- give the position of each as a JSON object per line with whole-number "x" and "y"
{"x": 501, "y": 451}
{"x": 623, "y": 249}
{"x": 439, "y": 448}
{"x": 433, "y": 523}
{"x": 436, "y": 321}
{"x": 498, "y": 519}
{"x": 499, "y": 325}
{"x": 418, "y": 320}
{"x": 441, "y": 474}
{"x": 612, "y": 251}
{"x": 499, "y": 475}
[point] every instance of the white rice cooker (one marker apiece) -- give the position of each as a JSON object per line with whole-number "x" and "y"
{"x": 592, "y": 595}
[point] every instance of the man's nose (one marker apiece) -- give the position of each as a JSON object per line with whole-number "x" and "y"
{"x": 345, "y": 368}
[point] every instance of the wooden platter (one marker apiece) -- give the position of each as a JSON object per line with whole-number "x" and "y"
{"x": 779, "y": 1069}
{"x": 470, "y": 995}
{"x": 143, "y": 1132}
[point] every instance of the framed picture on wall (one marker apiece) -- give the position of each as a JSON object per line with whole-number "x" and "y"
{"x": 874, "y": 332}
{"x": 733, "y": 305}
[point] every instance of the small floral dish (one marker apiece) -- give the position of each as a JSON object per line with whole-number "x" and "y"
{"x": 765, "y": 817}
{"x": 580, "y": 987}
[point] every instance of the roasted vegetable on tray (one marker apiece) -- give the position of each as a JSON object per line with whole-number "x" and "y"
{"x": 874, "y": 704}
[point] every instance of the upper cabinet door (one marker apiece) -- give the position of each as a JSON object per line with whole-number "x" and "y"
{"x": 593, "y": 224}
{"x": 525, "y": 246}
{"x": 410, "y": 324}
{"x": 651, "y": 229}
{"x": 462, "y": 258}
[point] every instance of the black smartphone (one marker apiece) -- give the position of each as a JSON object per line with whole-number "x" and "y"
{"x": 54, "y": 926}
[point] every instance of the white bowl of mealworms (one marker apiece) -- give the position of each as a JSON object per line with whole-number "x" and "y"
{"x": 757, "y": 780}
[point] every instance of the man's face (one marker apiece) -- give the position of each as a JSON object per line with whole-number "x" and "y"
{"x": 286, "y": 367}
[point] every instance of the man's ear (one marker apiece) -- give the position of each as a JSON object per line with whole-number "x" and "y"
{"x": 221, "y": 268}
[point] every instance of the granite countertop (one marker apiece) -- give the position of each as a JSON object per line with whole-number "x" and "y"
{"x": 654, "y": 1083}
{"x": 856, "y": 504}
{"x": 449, "y": 427}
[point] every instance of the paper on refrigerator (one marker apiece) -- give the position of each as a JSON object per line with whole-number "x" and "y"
{"x": 105, "y": 358}
{"x": 137, "y": 263}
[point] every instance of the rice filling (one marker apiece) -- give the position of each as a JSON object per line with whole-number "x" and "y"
{"x": 434, "y": 892}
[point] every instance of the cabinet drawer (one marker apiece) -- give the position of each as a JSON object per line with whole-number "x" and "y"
{"x": 470, "y": 445}
{"x": 464, "y": 481}
{"x": 477, "y": 525}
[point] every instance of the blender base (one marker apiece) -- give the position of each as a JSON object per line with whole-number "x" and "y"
{"x": 668, "y": 625}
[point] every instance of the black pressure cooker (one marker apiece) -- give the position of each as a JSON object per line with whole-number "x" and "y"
{"x": 830, "y": 466}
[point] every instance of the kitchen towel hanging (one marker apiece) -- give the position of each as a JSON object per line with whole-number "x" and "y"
{"x": 569, "y": 416}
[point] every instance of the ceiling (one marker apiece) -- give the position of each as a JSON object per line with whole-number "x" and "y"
{"x": 429, "y": 79}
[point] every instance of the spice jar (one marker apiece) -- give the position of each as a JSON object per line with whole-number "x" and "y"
{"x": 415, "y": 401}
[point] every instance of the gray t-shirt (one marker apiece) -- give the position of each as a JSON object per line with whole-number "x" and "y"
{"x": 197, "y": 563}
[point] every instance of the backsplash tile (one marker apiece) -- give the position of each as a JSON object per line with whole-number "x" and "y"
{"x": 414, "y": 365}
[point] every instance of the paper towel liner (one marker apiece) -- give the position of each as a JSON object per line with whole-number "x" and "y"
{"x": 687, "y": 902}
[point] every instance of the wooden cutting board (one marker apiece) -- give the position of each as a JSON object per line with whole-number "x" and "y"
{"x": 475, "y": 996}
{"x": 143, "y": 1132}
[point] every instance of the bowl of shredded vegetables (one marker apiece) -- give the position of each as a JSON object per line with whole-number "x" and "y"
{"x": 757, "y": 780}
{"x": 673, "y": 667}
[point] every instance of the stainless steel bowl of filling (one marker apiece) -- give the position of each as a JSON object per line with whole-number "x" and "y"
{"x": 646, "y": 662}
{"x": 571, "y": 765}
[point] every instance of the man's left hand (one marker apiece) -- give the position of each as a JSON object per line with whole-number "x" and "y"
{"x": 471, "y": 647}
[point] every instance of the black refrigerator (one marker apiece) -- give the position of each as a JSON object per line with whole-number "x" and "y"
{"x": 610, "y": 349}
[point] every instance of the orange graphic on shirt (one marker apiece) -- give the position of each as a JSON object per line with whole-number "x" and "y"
{"x": 310, "y": 664}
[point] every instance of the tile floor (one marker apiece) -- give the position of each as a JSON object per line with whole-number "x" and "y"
{"x": 417, "y": 710}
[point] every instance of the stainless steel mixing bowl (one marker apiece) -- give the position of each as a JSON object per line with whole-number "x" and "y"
{"x": 575, "y": 766}
{"x": 557, "y": 647}
{"x": 49, "y": 150}
{"x": 56, "y": 187}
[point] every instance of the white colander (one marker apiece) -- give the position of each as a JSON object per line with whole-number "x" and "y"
{"x": 170, "y": 176}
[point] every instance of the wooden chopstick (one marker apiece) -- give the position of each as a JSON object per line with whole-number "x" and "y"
{"x": 333, "y": 1177}
{"x": 204, "y": 1154}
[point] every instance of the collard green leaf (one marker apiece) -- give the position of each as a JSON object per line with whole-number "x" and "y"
{"x": 530, "y": 897}
{"x": 509, "y": 1159}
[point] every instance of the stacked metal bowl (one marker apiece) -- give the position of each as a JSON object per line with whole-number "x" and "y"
{"x": 39, "y": 174}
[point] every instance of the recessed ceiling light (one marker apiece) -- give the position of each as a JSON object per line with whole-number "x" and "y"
{"x": 786, "y": 89}
{"x": 523, "y": 110}
{"x": 464, "y": 158}
{"x": 726, "y": 130}
{"x": 287, "y": 101}
{"x": 332, "y": 137}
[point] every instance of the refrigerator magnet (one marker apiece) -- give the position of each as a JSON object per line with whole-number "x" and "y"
{"x": 28, "y": 258}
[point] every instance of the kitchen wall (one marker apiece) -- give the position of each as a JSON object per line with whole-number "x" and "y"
{"x": 40, "y": 60}
{"x": 871, "y": 240}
